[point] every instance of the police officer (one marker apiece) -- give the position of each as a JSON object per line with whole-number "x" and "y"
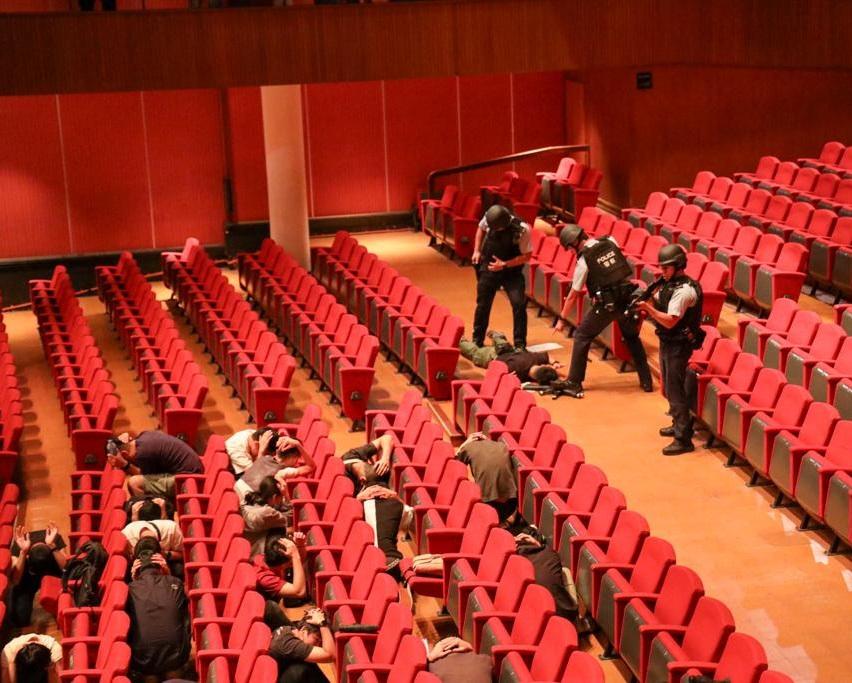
{"x": 605, "y": 272}
{"x": 676, "y": 311}
{"x": 501, "y": 247}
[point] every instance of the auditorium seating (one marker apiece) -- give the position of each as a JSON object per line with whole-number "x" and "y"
{"x": 174, "y": 382}
{"x": 87, "y": 395}
{"x": 253, "y": 362}
{"x": 425, "y": 343}
{"x": 11, "y": 410}
{"x": 570, "y": 189}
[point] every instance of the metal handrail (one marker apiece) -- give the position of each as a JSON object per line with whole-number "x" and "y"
{"x": 501, "y": 160}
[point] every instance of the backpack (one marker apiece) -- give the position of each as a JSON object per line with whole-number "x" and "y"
{"x": 82, "y": 573}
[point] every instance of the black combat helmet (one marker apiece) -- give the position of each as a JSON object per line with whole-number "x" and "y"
{"x": 571, "y": 236}
{"x": 672, "y": 255}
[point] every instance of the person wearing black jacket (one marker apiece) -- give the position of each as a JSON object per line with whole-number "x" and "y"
{"x": 159, "y": 635}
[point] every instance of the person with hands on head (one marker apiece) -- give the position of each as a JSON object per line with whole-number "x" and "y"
{"x": 279, "y": 555}
{"x": 151, "y": 461}
{"x": 263, "y": 510}
{"x": 284, "y": 458}
{"x": 300, "y": 647}
{"x": 502, "y": 246}
{"x": 31, "y": 658}
{"x": 35, "y": 554}
{"x": 371, "y": 463}
{"x": 244, "y": 446}
{"x": 453, "y": 660}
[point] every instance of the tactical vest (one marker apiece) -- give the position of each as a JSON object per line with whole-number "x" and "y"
{"x": 689, "y": 326}
{"x": 504, "y": 244}
{"x": 607, "y": 266}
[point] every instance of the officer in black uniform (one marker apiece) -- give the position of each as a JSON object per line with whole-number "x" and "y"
{"x": 676, "y": 311}
{"x": 501, "y": 248}
{"x": 605, "y": 272}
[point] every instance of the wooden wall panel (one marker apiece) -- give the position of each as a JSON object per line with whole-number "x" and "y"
{"x": 74, "y": 52}
{"x": 485, "y": 122}
{"x": 186, "y": 164}
{"x": 538, "y": 101}
{"x": 347, "y": 149}
{"x": 108, "y": 190}
{"x": 422, "y": 134}
{"x": 33, "y": 219}
{"x": 717, "y": 119}
{"x": 246, "y": 156}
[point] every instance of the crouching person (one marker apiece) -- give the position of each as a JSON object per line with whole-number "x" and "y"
{"x": 299, "y": 648}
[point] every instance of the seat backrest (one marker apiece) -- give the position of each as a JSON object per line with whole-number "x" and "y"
{"x": 467, "y": 495}
{"x": 768, "y": 248}
{"x": 703, "y": 181}
{"x": 586, "y": 488}
{"x": 843, "y": 195}
{"x": 517, "y": 575}
{"x": 551, "y": 654}
{"x": 726, "y": 232}
{"x": 738, "y": 196}
{"x": 838, "y": 446}
{"x": 448, "y": 195}
{"x": 708, "y": 630}
{"x": 546, "y": 450}
{"x": 592, "y": 179}
{"x": 822, "y": 223}
{"x": 723, "y": 357}
{"x": 651, "y": 250}
{"x": 630, "y": 531}
{"x": 778, "y": 208}
{"x": 620, "y": 231}
{"x": 800, "y": 215}
{"x": 709, "y": 221}
{"x": 635, "y": 241}
{"x": 655, "y": 203}
{"x": 567, "y": 463}
{"x": 582, "y": 668}
{"x": 681, "y": 590}
{"x": 565, "y": 165}
{"x": 397, "y": 623}
{"x": 713, "y": 276}
{"x": 805, "y": 179}
{"x": 721, "y": 188}
{"x": 827, "y": 340}
{"x": 482, "y": 518}
{"x": 499, "y": 547}
{"x": 818, "y": 423}
{"x": 792, "y": 258}
{"x": 536, "y": 608}
{"x": 781, "y": 315}
{"x": 767, "y": 388}
{"x": 575, "y": 174}
{"x": 654, "y": 560}
{"x": 608, "y": 507}
{"x": 671, "y": 210}
{"x": 785, "y": 172}
{"x": 758, "y": 200}
{"x": 803, "y": 328}
{"x": 744, "y": 372}
{"x": 843, "y": 364}
{"x": 549, "y": 247}
{"x": 695, "y": 264}
{"x": 370, "y": 566}
{"x": 745, "y": 240}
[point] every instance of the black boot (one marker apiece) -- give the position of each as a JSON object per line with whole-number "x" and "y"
{"x": 678, "y": 447}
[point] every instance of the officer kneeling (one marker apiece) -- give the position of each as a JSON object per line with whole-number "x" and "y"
{"x": 604, "y": 271}
{"x": 675, "y": 309}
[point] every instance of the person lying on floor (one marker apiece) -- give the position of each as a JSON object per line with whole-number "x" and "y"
{"x": 386, "y": 513}
{"x": 529, "y": 366}
{"x": 371, "y": 463}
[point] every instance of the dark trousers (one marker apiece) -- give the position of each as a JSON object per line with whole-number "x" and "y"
{"x": 673, "y": 361}
{"x": 591, "y": 326}
{"x": 21, "y": 604}
{"x": 487, "y": 286}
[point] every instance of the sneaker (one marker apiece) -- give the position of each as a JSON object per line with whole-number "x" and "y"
{"x": 667, "y": 431}
{"x": 678, "y": 448}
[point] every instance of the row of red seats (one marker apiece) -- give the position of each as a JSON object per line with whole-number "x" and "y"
{"x": 518, "y": 194}
{"x": 788, "y": 177}
{"x": 653, "y": 611}
{"x": 226, "y": 613}
{"x": 254, "y": 362}
{"x": 775, "y": 425}
{"x": 87, "y": 395}
{"x": 571, "y": 188}
{"x": 452, "y": 220}
{"x": 172, "y": 380}
{"x": 834, "y": 156}
{"x": 810, "y": 353}
{"x": 338, "y": 349}
{"x": 772, "y": 268}
{"x": 8, "y": 516}
{"x": 412, "y": 326}
{"x": 11, "y": 409}
{"x": 479, "y": 561}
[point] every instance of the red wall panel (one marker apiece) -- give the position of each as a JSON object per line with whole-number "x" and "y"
{"x": 422, "y": 134}
{"x": 186, "y": 163}
{"x": 347, "y": 149}
{"x": 485, "y": 124}
{"x": 33, "y": 219}
{"x": 37, "y": 5}
{"x": 246, "y": 154}
{"x": 538, "y": 101}
{"x": 108, "y": 190}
